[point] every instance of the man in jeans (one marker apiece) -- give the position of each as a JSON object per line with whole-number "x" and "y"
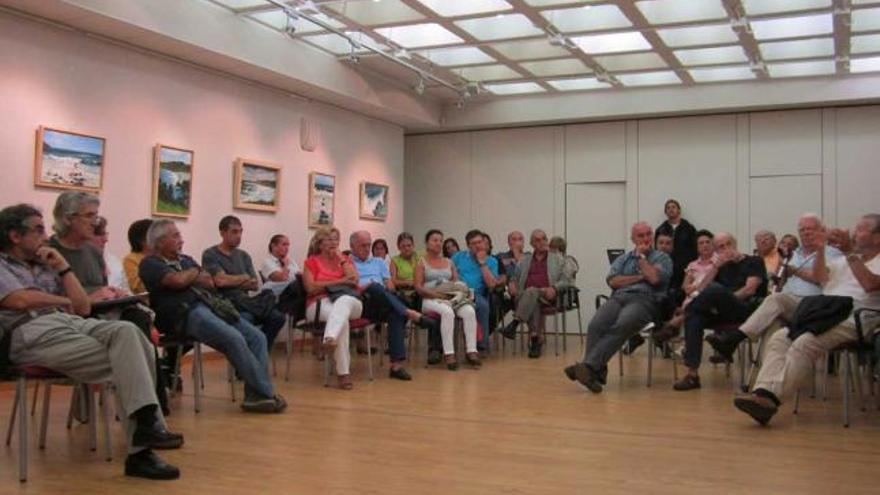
{"x": 170, "y": 275}
{"x": 234, "y": 275}
{"x": 42, "y": 320}
{"x": 374, "y": 282}
{"x": 479, "y": 270}
{"x": 638, "y": 279}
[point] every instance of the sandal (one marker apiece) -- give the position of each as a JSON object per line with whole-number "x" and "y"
{"x": 345, "y": 382}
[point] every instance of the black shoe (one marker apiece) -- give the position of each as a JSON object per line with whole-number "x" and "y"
{"x": 434, "y": 357}
{"x": 280, "y": 403}
{"x": 146, "y": 464}
{"x": 262, "y": 405}
{"x": 569, "y": 372}
{"x": 688, "y": 382}
{"x": 725, "y": 343}
{"x": 535, "y": 347}
{"x": 632, "y": 344}
{"x": 719, "y": 358}
{"x": 509, "y": 330}
{"x": 759, "y": 408}
{"x": 157, "y": 439}
{"x": 602, "y": 375}
{"x": 587, "y": 377}
{"x": 399, "y": 374}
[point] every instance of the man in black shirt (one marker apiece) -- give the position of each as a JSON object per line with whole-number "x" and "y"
{"x": 735, "y": 279}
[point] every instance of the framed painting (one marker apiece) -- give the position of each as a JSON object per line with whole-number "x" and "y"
{"x": 172, "y": 181}
{"x": 69, "y": 160}
{"x": 257, "y": 185}
{"x": 322, "y": 199}
{"x": 373, "y": 201}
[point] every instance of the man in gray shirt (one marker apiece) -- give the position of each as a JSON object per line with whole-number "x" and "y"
{"x": 234, "y": 275}
{"x": 638, "y": 278}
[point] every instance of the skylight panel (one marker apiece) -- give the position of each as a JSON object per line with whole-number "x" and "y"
{"x": 799, "y": 69}
{"x": 590, "y": 18}
{"x": 865, "y": 43}
{"x": 579, "y": 84}
{"x": 712, "y": 56}
{"x": 613, "y": 43}
{"x": 419, "y": 35}
{"x": 556, "y": 67}
{"x": 761, "y": 7}
{"x": 525, "y": 49}
{"x": 340, "y": 46}
{"x": 868, "y": 64}
{"x": 792, "y": 27}
{"x": 715, "y": 74}
{"x": 375, "y": 13}
{"x": 514, "y": 88}
{"x": 278, "y": 20}
{"x": 649, "y": 78}
{"x": 499, "y": 27}
{"x": 488, "y": 73}
{"x": 448, "y": 8}
{"x": 781, "y": 50}
{"x": 717, "y": 34}
{"x": 671, "y": 11}
{"x": 631, "y": 61}
{"x": 457, "y": 56}
{"x": 865, "y": 19}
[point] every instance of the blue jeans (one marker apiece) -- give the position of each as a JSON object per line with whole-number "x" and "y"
{"x": 381, "y": 301}
{"x": 242, "y": 343}
{"x": 270, "y": 326}
{"x": 482, "y": 307}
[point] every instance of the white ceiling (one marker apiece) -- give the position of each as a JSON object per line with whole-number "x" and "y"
{"x": 516, "y": 47}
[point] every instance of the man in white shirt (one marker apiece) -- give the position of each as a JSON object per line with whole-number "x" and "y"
{"x": 787, "y": 364}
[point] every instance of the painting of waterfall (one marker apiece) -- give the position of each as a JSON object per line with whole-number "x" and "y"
{"x": 172, "y": 181}
{"x": 322, "y": 199}
{"x": 257, "y": 185}
{"x": 69, "y": 160}
{"x": 374, "y": 201}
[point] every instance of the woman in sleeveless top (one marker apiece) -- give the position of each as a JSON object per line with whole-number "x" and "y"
{"x": 326, "y": 267}
{"x": 431, "y": 271}
{"x": 403, "y": 268}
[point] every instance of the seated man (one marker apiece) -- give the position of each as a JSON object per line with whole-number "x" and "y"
{"x": 234, "y": 276}
{"x": 380, "y": 302}
{"x": 171, "y": 278}
{"x": 778, "y": 308}
{"x": 788, "y": 362}
{"x": 42, "y": 305}
{"x": 512, "y": 257}
{"x": 639, "y": 280}
{"x": 732, "y": 281}
{"x": 541, "y": 275}
{"x": 479, "y": 270}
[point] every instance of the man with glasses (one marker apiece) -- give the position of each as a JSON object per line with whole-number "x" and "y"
{"x": 537, "y": 282}
{"x": 42, "y": 322}
{"x": 479, "y": 270}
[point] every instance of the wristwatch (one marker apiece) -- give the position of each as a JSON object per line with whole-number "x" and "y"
{"x": 64, "y": 272}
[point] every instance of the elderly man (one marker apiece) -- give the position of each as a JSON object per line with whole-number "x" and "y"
{"x": 779, "y": 307}
{"x": 509, "y": 259}
{"x": 639, "y": 279}
{"x": 788, "y": 361}
{"x": 479, "y": 270}
{"x": 42, "y": 305}
{"x": 734, "y": 278}
{"x": 541, "y": 275}
{"x": 179, "y": 289}
{"x": 381, "y": 303}
{"x": 234, "y": 275}
{"x": 765, "y": 248}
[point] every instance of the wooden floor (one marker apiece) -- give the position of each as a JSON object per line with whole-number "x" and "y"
{"x": 516, "y": 426}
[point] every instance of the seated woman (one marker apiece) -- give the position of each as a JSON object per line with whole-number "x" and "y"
{"x": 431, "y": 273}
{"x": 327, "y": 268}
{"x": 137, "y": 238}
{"x": 115, "y": 274}
{"x": 403, "y": 268}
{"x": 571, "y": 267}
{"x": 450, "y": 247}
{"x": 379, "y": 249}
{"x": 694, "y": 276}
{"x": 279, "y": 269}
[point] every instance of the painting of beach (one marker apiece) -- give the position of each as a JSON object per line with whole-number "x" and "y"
{"x": 69, "y": 160}
{"x": 257, "y": 185}
{"x": 322, "y": 199}
{"x": 172, "y": 181}
{"x": 374, "y": 201}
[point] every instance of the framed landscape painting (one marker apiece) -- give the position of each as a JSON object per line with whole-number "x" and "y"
{"x": 257, "y": 185}
{"x": 172, "y": 181}
{"x": 69, "y": 160}
{"x": 322, "y": 199}
{"x": 374, "y": 201}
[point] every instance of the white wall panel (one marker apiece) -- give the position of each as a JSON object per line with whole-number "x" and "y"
{"x": 595, "y": 152}
{"x": 777, "y": 202}
{"x": 786, "y": 143}
{"x": 858, "y": 163}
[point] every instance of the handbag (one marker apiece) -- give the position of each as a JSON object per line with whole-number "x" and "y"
{"x": 260, "y": 305}
{"x": 334, "y": 292}
{"x": 218, "y": 305}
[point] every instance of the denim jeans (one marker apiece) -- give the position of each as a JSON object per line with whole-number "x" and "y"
{"x": 482, "y": 305}
{"x": 270, "y": 326}
{"x": 242, "y": 343}
{"x": 381, "y": 301}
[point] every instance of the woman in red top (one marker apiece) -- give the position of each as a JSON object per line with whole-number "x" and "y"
{"x": 326, "y": 267}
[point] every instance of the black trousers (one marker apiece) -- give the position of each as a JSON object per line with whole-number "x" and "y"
{"x": 715, "y": 304}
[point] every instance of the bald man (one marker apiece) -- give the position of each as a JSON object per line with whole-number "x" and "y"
{"x": 638, "y": 279}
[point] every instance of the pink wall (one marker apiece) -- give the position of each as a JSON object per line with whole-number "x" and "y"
{"x": 56, "y": 78}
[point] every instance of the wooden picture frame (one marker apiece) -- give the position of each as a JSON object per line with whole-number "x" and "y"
{"x": 69, "y": 160}
{"x": 172, "y": 181}
{"x": 322, "y": 200}
{"x": 256, "y": 185}
{"x": 373, "y": 201}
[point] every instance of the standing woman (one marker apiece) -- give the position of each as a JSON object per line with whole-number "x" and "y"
{"x": 684, "y": 240}
{"x": 431, "y": 271}
{"x": 328, "y": 268}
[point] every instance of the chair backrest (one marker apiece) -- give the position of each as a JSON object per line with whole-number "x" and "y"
{"x": 614, "y": 253}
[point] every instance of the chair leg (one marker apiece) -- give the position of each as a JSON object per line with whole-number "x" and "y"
{"x": 197, "y": 377}
{"x": 34, "y": 403}
{"x": 564, "y": 334}
{"x": 556, "y": 333}
{"x": 797, "y": 401}
{"x": 12, "y": 416}
{"x": 857, "y": 379}
{"x": 649, "y": 340}
{"x": 581, "y": 330}
{"x": 230, "y": 372}
{"x": 21, "y": 396}
{"x": 45, "y": 416}
{"x": 846, "y": 390}
{"x": 288, "y": 348}
{"x": 105, "y": 419}
{"x": 620, "y": 361}
{"x": 370, "y": 352}
{"x": 93, "y": 419}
